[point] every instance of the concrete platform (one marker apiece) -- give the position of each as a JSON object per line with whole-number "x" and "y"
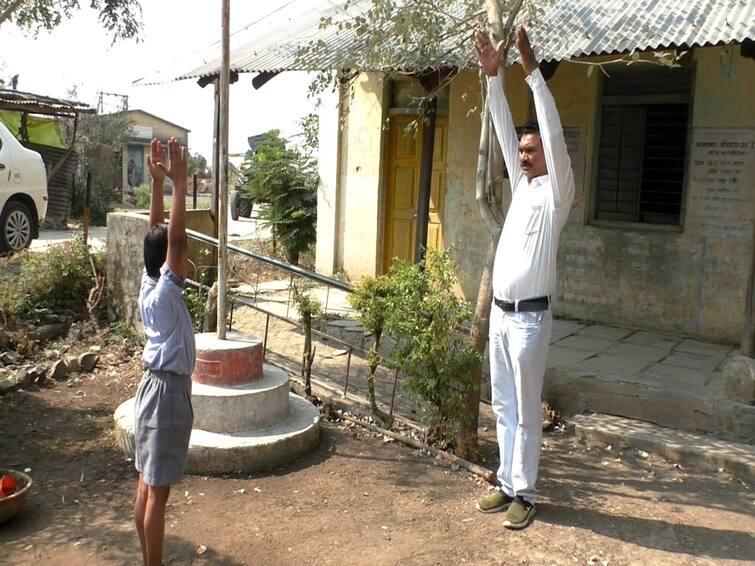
{"x": 233, "y": 361}
{"x": 241, "y": 407}
{"x": 666, "y": 379}
{"x": 692, "y": 449}
{"x": 248, "y": 451}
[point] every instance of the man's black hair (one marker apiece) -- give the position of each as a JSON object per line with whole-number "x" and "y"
{"x": 531, "y": 127}
{"x": 155, "y": 249}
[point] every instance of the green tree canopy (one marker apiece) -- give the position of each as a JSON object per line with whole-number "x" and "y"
{"x": 285, "y": 180}
{"x": 121, "y": 18}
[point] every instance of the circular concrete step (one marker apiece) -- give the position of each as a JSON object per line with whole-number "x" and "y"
{"x": 247, "y": 451}
{"x": 233, "y": 361}
{"x": 235, "y": 408}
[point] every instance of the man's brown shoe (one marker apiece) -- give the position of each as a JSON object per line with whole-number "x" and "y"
{"x": 519, "y": 514}
{"x": 494, "y": 502}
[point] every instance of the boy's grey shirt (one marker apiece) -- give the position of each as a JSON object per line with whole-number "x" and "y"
{"x": 167, "y": 323}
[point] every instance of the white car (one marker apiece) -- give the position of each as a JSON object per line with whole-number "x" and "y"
{"x": 23, "y": 193}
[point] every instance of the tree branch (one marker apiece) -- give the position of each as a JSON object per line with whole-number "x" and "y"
{"x": 15, "y": 5}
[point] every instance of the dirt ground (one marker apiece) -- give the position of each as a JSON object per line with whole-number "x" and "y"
{"x": 356, "y": 500}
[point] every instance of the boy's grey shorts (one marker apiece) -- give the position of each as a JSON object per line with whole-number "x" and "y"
{"x": 163, "y": 420}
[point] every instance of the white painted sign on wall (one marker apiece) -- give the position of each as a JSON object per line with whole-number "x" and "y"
{"x": 721, "y": 191}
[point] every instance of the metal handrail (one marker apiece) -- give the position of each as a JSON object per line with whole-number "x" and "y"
{"x": 285, "y": 266}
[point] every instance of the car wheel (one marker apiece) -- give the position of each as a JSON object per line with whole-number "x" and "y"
{"x": 15, "y": 227}
{"x": 245, "y": 207}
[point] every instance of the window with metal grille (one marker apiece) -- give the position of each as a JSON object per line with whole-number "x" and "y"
{"x": 642, "y": 146}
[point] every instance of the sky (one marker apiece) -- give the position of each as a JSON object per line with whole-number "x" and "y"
{"x": 79, "y": 53}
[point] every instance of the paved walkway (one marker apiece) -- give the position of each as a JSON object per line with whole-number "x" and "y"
{"x": 670, "y": 380}
{"x": 662, "y": 378}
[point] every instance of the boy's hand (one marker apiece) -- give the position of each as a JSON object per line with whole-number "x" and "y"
{"x": 489, "y": 55}
{"x": 526, "y": 54}
{"x": 178, "y": 169}
{"x": 156, "y": 156}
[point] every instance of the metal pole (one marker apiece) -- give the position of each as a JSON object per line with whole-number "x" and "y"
{"x": 194, "y": 197}
{"x": 87, "y": 210}
{"x": 223, "y": 172}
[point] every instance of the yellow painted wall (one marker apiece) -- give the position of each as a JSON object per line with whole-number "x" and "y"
{"x": 361, "y": 177}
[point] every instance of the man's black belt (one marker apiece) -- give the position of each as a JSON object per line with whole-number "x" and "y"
{"x": 530, "y": 305}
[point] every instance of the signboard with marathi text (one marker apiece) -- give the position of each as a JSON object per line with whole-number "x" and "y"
{"x": 720, "y": 198}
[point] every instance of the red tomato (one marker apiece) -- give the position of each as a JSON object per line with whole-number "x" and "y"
{"x": 7, "y": 485}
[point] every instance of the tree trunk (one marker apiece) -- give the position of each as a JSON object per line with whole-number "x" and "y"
{"x": 491, "y": 211}
{"x": 306, "y": 362}
{"x": 373, "y": 365}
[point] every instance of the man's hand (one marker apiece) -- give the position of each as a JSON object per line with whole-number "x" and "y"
{"x": 489, "y": 55}
{"x": 156, "y": 156}
{"x": 178, "y": 169}
{"x": 526, "y": 54}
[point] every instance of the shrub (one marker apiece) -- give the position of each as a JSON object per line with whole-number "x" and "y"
{"x": 142, "y": 196}
{"x": 58, "y": 279}
{"x": 195, "y": 302}
{"x": 433, "y": 351}
{"x": 285, "y": 179}
{"x": 372, "y": 299}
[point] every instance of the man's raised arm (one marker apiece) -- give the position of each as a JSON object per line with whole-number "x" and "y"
{"x": 551, "y": 133}
{"x": 503, "y": 122}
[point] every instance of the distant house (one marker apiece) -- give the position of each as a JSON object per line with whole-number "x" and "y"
{"x": 35, "y": 120}
{"x": 145, "y": 126}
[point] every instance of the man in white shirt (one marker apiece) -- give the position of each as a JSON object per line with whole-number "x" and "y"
{"x": 524, "y": 277}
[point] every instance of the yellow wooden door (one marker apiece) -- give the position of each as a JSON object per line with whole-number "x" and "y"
{"x": 404, "y": 150}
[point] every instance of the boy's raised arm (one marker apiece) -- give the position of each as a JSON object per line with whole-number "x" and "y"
{"x": 157, "y": 174}
{"x": 178, "y": 172}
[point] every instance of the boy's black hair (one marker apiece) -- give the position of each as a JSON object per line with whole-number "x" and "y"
{"x": 155, "y": 249}
{"x": 531, "y": 127}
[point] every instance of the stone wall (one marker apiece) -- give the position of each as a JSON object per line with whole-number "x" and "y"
{"x": 125, "y": 258}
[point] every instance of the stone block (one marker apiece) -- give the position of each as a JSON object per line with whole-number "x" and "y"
{"x": 739, "y": 380}
{"x": 637, "y": 352}
{"x": 231, "y": 409}
{"x": 677, "y": 377}
{"x": 605, "y": 332}
{"x": 610, "y": 366}
{"x": 664, "y": 342}
{"x": 560, "y": 356}
{"x": 692, "y": 361}
{"x": 586, "y": 343}
{"x": 563, "y": 328}
{"x": 233, "y": 361}
{"x": 691, "y": 449}
{"x": 703, "y": 348}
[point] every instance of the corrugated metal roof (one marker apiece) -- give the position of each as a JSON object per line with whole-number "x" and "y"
{"x": 562, "y": 30}
{"x": 39, "y": 104}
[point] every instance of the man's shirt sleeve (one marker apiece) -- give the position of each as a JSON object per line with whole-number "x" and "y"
{"x": 504, "y": 129}
{"x": 554, "y": 146}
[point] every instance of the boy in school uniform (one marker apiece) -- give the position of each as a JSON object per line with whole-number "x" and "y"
{"x": 163, "y": 412}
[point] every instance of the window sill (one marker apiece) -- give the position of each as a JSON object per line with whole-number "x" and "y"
{"x": 637, "y": 226}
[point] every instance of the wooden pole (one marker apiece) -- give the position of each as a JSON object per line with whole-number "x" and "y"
{"x": 222, "y": 217}
{"x": 87, "y": 209}
{"x": 194, "y": 194}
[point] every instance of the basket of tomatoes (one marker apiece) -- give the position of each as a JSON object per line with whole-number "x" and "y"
{"x": 14, "y": 486}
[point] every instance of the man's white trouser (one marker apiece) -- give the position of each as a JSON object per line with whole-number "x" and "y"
{"x": 518, "y": 349}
